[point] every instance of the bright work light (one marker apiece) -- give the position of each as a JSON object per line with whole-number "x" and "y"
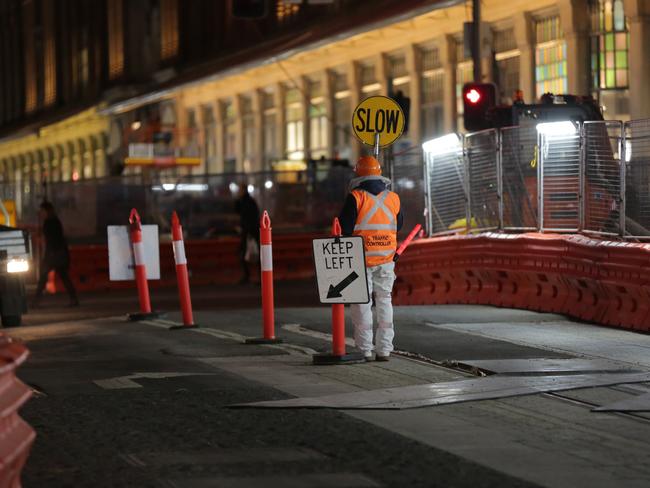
{"x": 17, "y": 265}
{"x": 442, "y": 145}
{"x": 563, "y": 128}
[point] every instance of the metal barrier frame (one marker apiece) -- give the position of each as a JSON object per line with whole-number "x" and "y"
{"x": 620, "y": 149}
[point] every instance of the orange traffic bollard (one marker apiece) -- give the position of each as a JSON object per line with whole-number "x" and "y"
{"x": 182, "y": 276}
{"x": 140, "y": 270}
{"x": 266, "y": 269}
{"x": 339, "y": 355}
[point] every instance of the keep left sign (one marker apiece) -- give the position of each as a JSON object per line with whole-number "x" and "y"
{"x": 341, "y": 270}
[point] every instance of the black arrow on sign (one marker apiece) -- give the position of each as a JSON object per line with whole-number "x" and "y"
{"x": 335, "y": 291}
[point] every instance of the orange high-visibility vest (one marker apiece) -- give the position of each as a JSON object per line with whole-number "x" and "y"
{"x": 377, "y": 224}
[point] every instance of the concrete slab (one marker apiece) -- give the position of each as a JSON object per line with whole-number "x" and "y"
{"x": 640, "y": 403}
{"x": 540, "y": 365}
{"x": 327, "y": 480}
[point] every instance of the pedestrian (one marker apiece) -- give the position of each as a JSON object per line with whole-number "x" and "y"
{"x": 249, "y": 223}
{"x": 373, "y": 212}
{"x": 56, "y": 256}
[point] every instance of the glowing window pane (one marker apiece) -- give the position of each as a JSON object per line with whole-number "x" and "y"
{"x": 621, "y": 78}
{"x": 621, "y": 59}
{"x": 621, "y": 40}
{"x": 609, "y": 42}
{"x": 619, "y": 16}
{"x": 608, "y": 16}
{"x": 609, "y": 75}
{"x": 609, "y": 60}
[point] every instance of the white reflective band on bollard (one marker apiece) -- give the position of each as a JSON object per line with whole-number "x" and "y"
{"x": 138, "y": 253}
{"x": 266, "y": 257}
{"x": 179, "y": 253}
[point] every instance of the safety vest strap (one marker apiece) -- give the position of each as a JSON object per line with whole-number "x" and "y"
{"x": 378, "y": 203}
{"x": 388, "y": 252}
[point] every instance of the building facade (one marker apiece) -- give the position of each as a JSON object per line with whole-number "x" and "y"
{"x": 294, "y": 104}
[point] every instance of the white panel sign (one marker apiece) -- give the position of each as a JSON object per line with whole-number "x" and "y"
{"x": 120, "y": 253}
{"x": 341, "y": 270}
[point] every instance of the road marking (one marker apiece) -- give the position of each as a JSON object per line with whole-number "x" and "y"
{"x": 123, "y": 382}
{"x": 224, "y": 334}
{"x": 299, "y": 329}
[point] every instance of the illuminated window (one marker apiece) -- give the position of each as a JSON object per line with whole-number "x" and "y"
{"x": 230, "y": 138}
{"x": 286, "y": 11}
{"x": 295, "y": 144}
{"x": 550, "y": 57}
{"x": 432, "y": 84}
{"x": 168, "y": 29}
{"x": 248, "y": 132}
{"x": 317, "y": 121}
{"x": 368, "y": 77}
{"x": 507, "y": 64}
{"x": 209, "y": 139}
{"x": 398, "y": 75}
{"x": 115, "y": 22}
{"x": 610, "y": 41}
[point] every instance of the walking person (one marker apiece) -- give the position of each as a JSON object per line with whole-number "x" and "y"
{"x": 56, "y": 256}
{"x": 373, "y": 212}
{"x": 249, "y": 223}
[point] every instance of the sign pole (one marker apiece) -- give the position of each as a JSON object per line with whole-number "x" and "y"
{"x": 338, "y": 355}
{"x": 376, "y": 147}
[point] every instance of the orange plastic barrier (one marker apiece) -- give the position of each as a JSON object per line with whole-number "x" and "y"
{"x": 17, "y": 436}
{"x": 599, "y": 281}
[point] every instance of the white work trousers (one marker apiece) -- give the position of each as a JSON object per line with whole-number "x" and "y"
{"x": 380, "y": 280}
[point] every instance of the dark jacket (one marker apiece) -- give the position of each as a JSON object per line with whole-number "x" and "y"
{"x": 249, "y": 214}
{"x": 348, "y": 216}
{"x": 56, "y": 245}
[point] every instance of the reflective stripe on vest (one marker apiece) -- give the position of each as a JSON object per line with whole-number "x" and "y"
{"x": 378, "y": 202}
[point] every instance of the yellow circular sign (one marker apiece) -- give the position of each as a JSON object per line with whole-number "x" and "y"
{"x": 381, "y": 115}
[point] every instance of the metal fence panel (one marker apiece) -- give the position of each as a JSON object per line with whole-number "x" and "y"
{"x": 560, "y": 162}
{"x": 445, "y": 170}
{"x": 603, "y": 142}
{"x": 481, "y": 150}
{"x": 409, "y": 185}
{"x": 519, "y": 177}
{"x": 637, "y": 178}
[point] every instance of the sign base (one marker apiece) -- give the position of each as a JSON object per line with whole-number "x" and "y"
{"x": 349, "y": 358}
{"x": 138, "y": 316}
{"x": 262, "y": 340}
{"x": 181, "y": 327}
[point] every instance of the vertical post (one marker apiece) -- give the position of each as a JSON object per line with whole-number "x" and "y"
{"x": 338, "y": 309}
{"x": 428, "y": 210}
{"x": 140, "y": 269}
{"x": 476, "y": 39}
{"x": 376, "y": 147}
{"x": 266, "y": 269}
{"x": 498, "y": 142}
{"x": 623, "y": 176}
{"x": 182, "y": 275}
{"x": 540, "y": 182}
{"x": 466, "y": 185}
{"x": 582, "y": 167}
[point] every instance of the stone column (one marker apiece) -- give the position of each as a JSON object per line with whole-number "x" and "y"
{"x": 414, "y": 68}
{"x": 239, "y": 133}
{"x": 354, "y": 85}
{"x": 305, "y": 94}
{"x": 328, "y": 94}
{"x": 220, "y": 130}
{"x": 281, "y": 119}
{"x": 638, "y": 14}
{"x": 575, "y": 20}
{"x": 448, "y": 61}
{"x": 381, "y": 72}
{"x": 258, "y": 128}
{"x": 525, "y": 38}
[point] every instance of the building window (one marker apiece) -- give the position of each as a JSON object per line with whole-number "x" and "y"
{"x": 368, "y": 76}
{"x": 30, "y": 59}
{"x": 550, "y": 57}
{"x": 115, "y": 22}
{"x": 342, "y": 116}
{"x": 270, "y": 129}
{"x": 507, "y": 64}
{"x": 610, "y": 41}
{"x": 295, "y": 146}
{"x": 286, "y": 11}
{"x": 168, "y": 29}
{"x": 230, "y": 138}
{"x": 398, "y": 75}
{"x": 432, "y": 85}
{"x": 317, "y": 121}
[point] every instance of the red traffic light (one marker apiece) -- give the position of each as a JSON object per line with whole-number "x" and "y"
{"x": 473, "y": 96}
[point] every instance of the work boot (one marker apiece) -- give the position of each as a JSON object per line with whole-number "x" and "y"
{"x": 381, "y": 357}
{"x": 367, "y": 356}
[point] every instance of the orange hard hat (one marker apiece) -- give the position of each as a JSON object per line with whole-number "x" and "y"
{"x": 366, "y": 166}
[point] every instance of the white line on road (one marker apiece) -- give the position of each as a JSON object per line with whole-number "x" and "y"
{"x": 122, "y": 382}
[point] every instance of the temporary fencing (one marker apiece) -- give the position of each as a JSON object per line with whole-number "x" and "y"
{"x": 590, "y": 177}
{"x": 17, "y": 436}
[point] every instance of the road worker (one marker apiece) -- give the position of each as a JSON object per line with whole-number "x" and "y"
{"x": 373, "y": 212}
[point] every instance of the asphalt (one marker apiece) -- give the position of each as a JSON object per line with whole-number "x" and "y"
{"x": 119, "y": 403}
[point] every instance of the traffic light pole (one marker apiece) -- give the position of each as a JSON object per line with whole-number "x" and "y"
{"x": 476, "y": 39}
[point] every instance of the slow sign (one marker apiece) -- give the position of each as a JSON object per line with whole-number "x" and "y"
{"x": 378, "y": 115}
